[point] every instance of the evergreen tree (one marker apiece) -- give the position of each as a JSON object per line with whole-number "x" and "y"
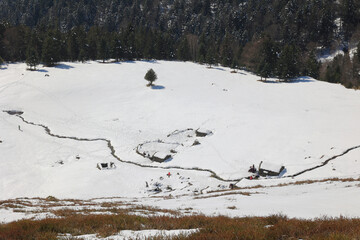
{"x": 92, "y": 43}
{"x": 312, "y": 66}
{"x": 160, "y": 48}
{"x": 82, "y": 55}
{"x": 202, "y": 49}
{"x": 183, "y": 51}
{"x": 210, "y": 56}
{"x": 32, "y": 58}
{"x": 349, "y": 15}
{"x": 334, "y": 71}
{"x": 146, "y": 44}
{"x": 268, "y": 59}
{"x": 128, "y": 40}
{"x": 347, "y": 75}
{"x": 103, "y": 52}
{"x": 358, "y": 51}
{"x": 333, "y": 75}
{"x": 150, "y": 76}
{"x": 325, "y": 26}
{"x": 51, "y": 51}
{"x": 72, "y": 46}
{"x": 227, "y": 52}
{"x": 206, "y": 8}
{"x": 116, "y": 48}
{"x": 288, "y": 63}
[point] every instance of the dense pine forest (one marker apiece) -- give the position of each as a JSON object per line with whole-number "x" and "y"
{"x": 279, "y": 38}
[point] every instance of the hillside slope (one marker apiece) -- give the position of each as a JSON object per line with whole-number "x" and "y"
{"x": 90, "y": 109}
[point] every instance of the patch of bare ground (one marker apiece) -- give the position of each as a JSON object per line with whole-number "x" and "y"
{"x": 271, "y": 227}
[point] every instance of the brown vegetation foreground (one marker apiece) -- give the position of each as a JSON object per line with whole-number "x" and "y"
{"x": 272, "y": 227}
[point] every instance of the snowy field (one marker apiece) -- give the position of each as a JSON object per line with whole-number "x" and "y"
{"x": 82, "y": 115}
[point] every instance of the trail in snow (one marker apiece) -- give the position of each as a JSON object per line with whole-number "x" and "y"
{"x": 325, "y": 163}
{"x": 113, "y": 152}
{"x": 213, "y": 174}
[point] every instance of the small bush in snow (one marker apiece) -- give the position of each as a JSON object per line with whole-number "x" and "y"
{"x": 150, "y": 76}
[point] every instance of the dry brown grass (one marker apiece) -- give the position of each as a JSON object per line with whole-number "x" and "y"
{"x": 272, "y": 227}
{"x": 225, "y": 194}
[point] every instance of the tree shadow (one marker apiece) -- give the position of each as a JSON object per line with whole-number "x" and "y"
{"x": 157, "y": 87}
{"x": 63, "y": 66}
{"x": 241, "y": 73}
{"x": 216, "y": 68}
{"x": 42, "y": 70}
{"x": 149, "y": 61}
{"x": 295, "y": 80}
{"x": 303, "y": 79}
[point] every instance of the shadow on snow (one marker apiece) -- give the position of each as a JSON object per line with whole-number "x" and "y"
{"x": 63, "y": 66}
{"x": 157, "y": 87}
{"x": 295, "y": 80}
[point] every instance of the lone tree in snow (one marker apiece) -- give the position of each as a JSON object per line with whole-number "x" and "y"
{"x": 150, "y": 76}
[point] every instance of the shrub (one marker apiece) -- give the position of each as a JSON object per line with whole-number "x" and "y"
{"x": 150, "y": 76}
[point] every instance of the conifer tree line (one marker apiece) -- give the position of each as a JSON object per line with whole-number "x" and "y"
{"x": 279, "y": 38}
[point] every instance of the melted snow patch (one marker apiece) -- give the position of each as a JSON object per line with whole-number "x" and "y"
{"x": 163, "y": 150}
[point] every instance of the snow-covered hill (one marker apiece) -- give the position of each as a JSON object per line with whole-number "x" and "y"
{"x": 84, "y": 114}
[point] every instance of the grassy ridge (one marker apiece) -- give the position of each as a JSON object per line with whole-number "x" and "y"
{"x": 272, "y": 227}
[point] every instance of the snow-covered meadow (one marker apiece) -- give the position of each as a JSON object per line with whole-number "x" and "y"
{"x": 101, "y": 113}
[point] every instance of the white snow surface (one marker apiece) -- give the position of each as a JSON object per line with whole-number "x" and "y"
{"x": 298, "y": 125}
{"x": 143, "y": 234}
{"x": 329, "y": 56}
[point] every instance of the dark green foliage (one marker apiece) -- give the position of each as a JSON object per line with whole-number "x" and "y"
{"x": 116, "y": 47}
{"x": 103, "y": 51}
{"x": 32, "y": 58}
{"x": 288, "y": 64}
{"x": 51, "y": 51}
{"x": 342, "y": 70}
{"x": 312, "y": 66}
{"x": 227, "y": 51}
{"x": 15, "y": 43}
{"x": 92, "y": 42}
{"x": 333, "y": 71}
{"x": 32, "y": 54}
{"x": 358, "y": 51}
{"x": 72, "y": 46}
{"x": 333, "y": 75}
{"x": 269, "y": 58}
{"x": 150, "y": 76}
{"x": 183, "y": 51}
{"x": 128, "y": 39}
{"x": 350, "y": 15}
{"x": 202, "y": 49}
{"x": 210, "y": 56}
